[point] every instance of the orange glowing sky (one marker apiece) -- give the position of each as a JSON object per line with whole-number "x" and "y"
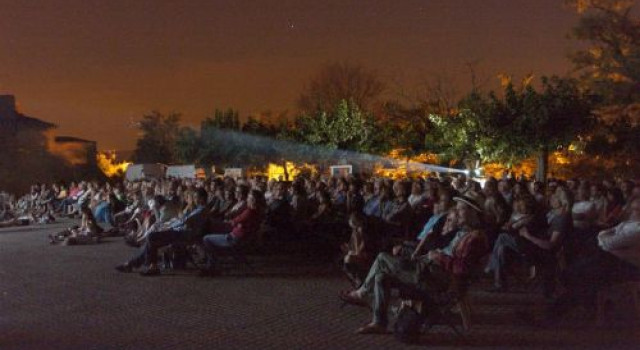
{"x": 92, "y": 67}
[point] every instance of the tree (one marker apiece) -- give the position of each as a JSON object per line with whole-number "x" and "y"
{"x": 527, "y": 122}
{"x": 158, "y": 141}
{"x": 347, "y": 127}
{"x": 518, "y": 124}
{"x": 617, "y": 140}
{"x": 610, "y": 65}
{"x": 188, "y": 146}
{"x": 412, "y": 127}
{"x": 336, "y": 82}
{"x": 228, "y": 119}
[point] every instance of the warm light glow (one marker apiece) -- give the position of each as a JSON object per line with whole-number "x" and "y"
{"x": 404, "y": 167}
{"x": 108, "y": 165}
{"x": 276, "y": 171}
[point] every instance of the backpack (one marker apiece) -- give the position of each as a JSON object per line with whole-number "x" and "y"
{"x": 408, "y": 325}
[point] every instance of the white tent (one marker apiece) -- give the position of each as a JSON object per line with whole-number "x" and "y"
{"x": 181, "y": 171}
{"x": 144, "y": 171}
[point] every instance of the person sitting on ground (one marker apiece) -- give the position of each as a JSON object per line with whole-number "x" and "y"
{"x": 434, "y": 272}
{"x": 87, "y": 233}
{"x": 187, "y": 229}
{"x": 240, "y": 227}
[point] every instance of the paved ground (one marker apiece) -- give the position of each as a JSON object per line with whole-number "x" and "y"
{"x": 54, "y": 297}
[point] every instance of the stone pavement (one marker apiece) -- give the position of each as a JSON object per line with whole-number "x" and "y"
{"x": 56, "y": 297}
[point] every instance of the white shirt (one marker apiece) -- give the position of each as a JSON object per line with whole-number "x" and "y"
{"x": 623, "y": 241}
{"x": 416, "y": 199}
{"x": 587, "y": 208}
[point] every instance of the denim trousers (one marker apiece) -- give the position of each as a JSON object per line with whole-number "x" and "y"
{"x": 215, "y": 241}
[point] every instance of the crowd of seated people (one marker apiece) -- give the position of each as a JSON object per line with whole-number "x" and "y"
{"x": 571, "y": 234}
{"x": 425, "y": 234}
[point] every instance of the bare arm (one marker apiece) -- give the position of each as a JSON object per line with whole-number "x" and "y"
{"x": 544, "y": 244}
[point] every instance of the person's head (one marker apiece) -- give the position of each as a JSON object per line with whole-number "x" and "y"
{"x": 469, "y": 212}
{"x": 229, "y": 194}
{"x": 442, "y": 205}
{"x": 561, "y": 200}
{"x": 242, "y": 191}
{"x": 519, "y": 189}
{"x": 386, "y": 193}
{"x": 159, "y": 201}
{"x": 538, "y": 187}
{"x": 342, "y": 184}
{"x": 368, "y": 188}
{"x": 355, "y": 186}
{"x": 525, "y": 205}
{"x": 298, "y": 188}
{"x": 324, "y": 198}
{"x": 112, "y": 198}
{"x": 634, "y": 209}
{"x": 416, "y": 188}
{"x": 504, "y": 186}
{"x": 400, "y": 189}
{"x": 595, "y": 191}
{"x": 201, "y": 197}
{"x": 490, "y": 187}
{"x": 451, "y": 222}
{"x": 377, "y": 187}
{"x": 614, "y": 196}
{"x": 626, "y": 186}
{"x": 582, "y": 193}
{"x": 310, "y": 185}
{"x": 321, "y": 186}
{"x": 255, "y": 200}
{"x": 189, "y": 198}
{"x": 474, "y": 186}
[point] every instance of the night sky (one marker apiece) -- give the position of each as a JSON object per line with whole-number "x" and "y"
{"x": 93, "y": 67}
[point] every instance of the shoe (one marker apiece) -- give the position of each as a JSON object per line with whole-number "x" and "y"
{"x": 126, "y": 268}
{"x": 347, "y": 298}
{"x": 372, "y": 329}
{"x": 150, "y": 272}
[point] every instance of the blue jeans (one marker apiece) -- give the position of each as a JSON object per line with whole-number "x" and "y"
{"x": 215, "y": 241}
{"x": 102, "y": 213}
{"x": 385, "y": 273}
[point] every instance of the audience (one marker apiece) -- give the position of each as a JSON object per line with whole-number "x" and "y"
{"x": 393, "y": 234}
